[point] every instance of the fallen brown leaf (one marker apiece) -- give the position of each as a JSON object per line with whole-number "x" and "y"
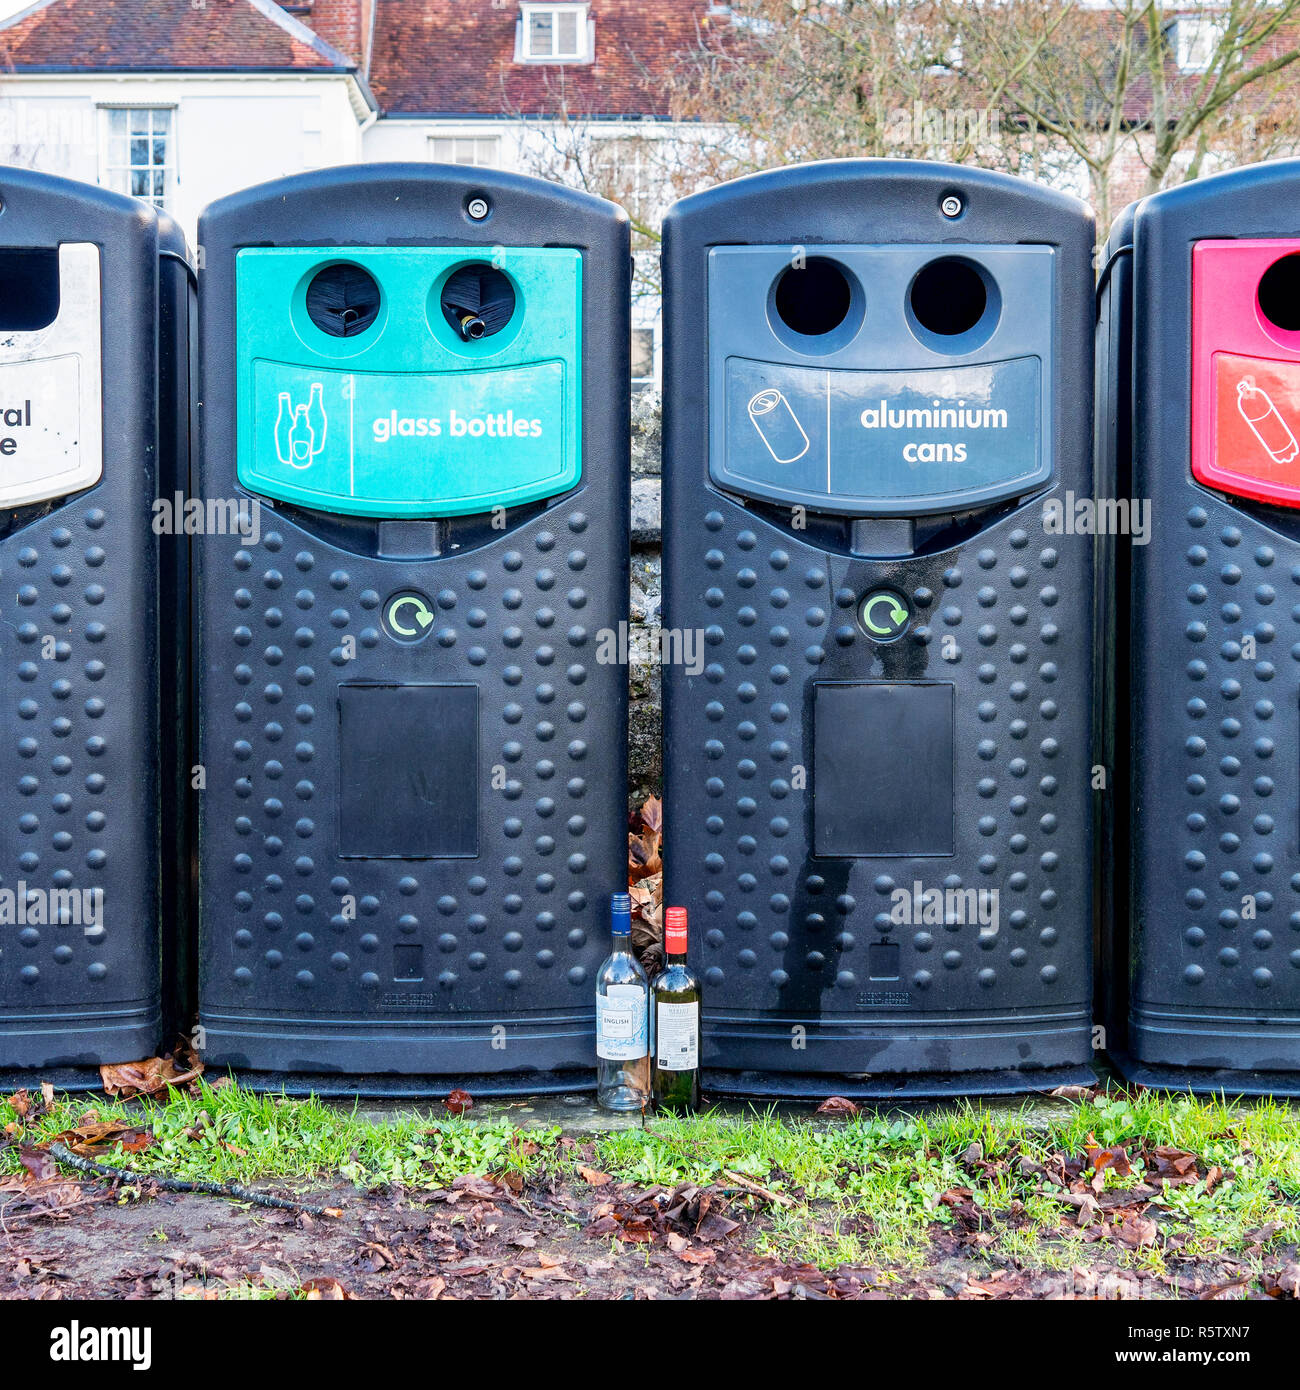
{"x": 1233, "y": 1289}
{"x": 643, "y": 858}
{"x": 1135, "y": 1232}
{"x": 697, "y": 1255}
{"x": 1101, "y": 1158}
{"x": 548, "y": 1272}
{"x": 323, "y": 1289}
{"x": 458, "y": 1102}
{"x": 146, "y": 1078}
{"x": 40, "y": 1167}
{"x": 88, "y": 1139}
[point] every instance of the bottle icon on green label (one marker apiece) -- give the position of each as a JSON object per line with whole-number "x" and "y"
{"x": 300, "y": 430}
{"x": 316, "y": 417}
{"x": 302, "y": 440}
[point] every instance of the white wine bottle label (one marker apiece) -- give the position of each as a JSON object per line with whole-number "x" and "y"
{"x": 677, "y": 1037}
{"x": 622, "y": 1023}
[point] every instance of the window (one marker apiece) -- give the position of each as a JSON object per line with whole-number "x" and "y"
{"x": 554, "y": 34}
{"x": 483, "y": 152}
{"x": 643, "y": 356}
{"x": 1195, "y": 41}
{"x": 626, "y": 172}
{"x": 140, "y": 153}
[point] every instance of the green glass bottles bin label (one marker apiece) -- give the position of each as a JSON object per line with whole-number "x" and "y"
{"x": 372, "y": 383}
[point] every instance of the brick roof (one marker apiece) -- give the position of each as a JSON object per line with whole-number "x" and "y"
{"x": 162, "y": 35}
{"x": 436, "y": 57}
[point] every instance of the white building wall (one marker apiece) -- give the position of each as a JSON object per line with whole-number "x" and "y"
{"x": 231, "y": 131}
{"x": 394, "y": 138}
{"x": 228, "y": 131}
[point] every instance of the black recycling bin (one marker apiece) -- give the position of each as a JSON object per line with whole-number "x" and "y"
{"x": 1201, "y": 379}
{"x": 411, "y": 718}
{"x": 879, "y": 681}
{"x": 88, "y": 312}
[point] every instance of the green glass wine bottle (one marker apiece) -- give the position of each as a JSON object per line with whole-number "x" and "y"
{"x": 675, "y": 1003}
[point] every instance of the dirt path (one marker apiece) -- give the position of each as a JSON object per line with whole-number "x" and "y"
{"x": 482, "y": 1240}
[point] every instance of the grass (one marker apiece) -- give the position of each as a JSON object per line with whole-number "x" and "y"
{"x": 864, "y": 1191}
{"x": 232, "y": 1135}
{"x": 869, "y": 1190}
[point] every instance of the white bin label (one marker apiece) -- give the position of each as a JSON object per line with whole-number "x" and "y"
{"x": 51, "y": 434}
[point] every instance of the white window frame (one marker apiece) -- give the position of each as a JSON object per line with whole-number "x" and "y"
{"x": 1195, "y": 41}
{"x": 640, "y": 383}
{"x": 108, "y": 167}
{"x": 466, "y": 137}
{"x": 584, "y": 32}
{"x": 626, "y": 150}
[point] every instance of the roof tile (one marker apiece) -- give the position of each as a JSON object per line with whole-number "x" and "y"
{"x": 161, "y": 35}
{"x": 457, "y": 56}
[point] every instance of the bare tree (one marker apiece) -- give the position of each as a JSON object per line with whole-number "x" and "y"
{"x": 822, "y": 79}
{"x": 643, "y": 165}
{"x": 1111, "y": 88}
{"x": 1081, "y": 94}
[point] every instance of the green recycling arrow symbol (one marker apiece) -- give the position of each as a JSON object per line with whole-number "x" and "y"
{"x": 420, "y": 612}
{"x": 898, "y": 614}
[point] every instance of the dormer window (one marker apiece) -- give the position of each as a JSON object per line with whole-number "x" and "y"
{"x": 1195, "y": 40}
{"x": 553, "y": 34}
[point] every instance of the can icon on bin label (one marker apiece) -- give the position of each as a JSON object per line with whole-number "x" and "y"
{"x": 778, "y": 426}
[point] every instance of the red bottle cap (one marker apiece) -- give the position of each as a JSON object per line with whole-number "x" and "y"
{"x": 675, "y": 931}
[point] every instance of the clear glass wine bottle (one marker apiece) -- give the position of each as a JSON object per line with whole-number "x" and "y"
{"x": 675, "y": 1000}
{"x": 622, "y": 1019}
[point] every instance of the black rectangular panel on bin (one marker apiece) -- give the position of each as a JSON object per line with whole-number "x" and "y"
{"x": 878, "y": 795}
{"x": 409, "y": 754}
{"x": 85, "y": 452}
{"x": 417, "y": 376}
{"x": 1200, "y": 350}
{"x": 883, "y": 771}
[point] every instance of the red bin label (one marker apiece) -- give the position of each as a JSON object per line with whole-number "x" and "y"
{"x": 1246, "y": 369}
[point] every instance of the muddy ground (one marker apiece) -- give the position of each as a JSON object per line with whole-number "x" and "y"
{"x": 544, "y": 1239}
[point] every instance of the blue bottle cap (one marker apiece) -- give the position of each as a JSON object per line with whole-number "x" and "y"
{"x": 620, "y": 912}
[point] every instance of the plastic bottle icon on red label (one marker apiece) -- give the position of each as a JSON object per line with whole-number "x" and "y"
{"x": 1255, "y": 440}
{"x": 1266, "y": 423}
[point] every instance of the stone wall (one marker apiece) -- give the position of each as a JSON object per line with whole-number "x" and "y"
{"x": 645, "y": 769}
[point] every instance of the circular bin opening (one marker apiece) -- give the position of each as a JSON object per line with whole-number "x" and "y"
{"x": 953, "y": 305}
{"x": 948, "y": 297}
{"x": 343, "y": 300}
{"x": 1279, "y": 293}
{"x": 478, "y": 300}
{"x": 814, "y": 299}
